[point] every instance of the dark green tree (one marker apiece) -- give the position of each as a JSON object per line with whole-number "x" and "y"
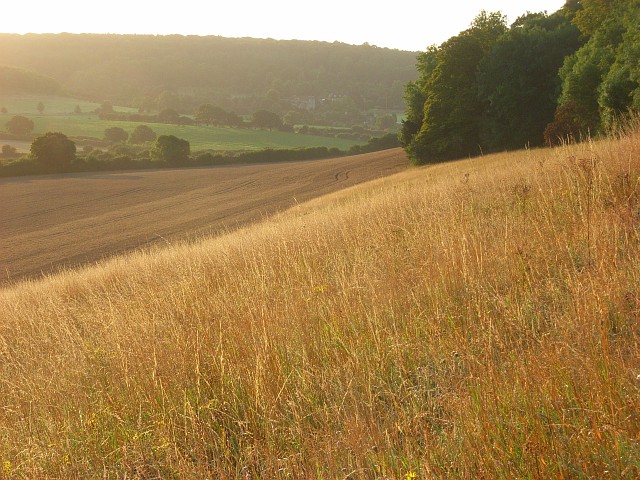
{"x": 415, "y": 96}
{"x": 142, "y": 134}
{"x": 20, "y": 125}
{"x": 266, "y": 119}
{"x": 619, "y": 91}
{"x": 453, "y": 110}
{"x": 115, "y": 135}
{"x": 518, "y": 80}
{"x": 592, "y": 13}
{"x": 40, "y": 107}
{"x": 208, "y": 114}
{"x": 171, "y": 149}
{"x": 54, "y": 151}
{"x": 169, "y": 115}
{"x": 600, "y": 82}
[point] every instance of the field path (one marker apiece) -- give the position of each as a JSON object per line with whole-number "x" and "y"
{"x": 57, "y": 221}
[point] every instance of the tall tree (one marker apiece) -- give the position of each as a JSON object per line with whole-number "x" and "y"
{"x": 19, "y": 125}
{"x": 142, "y": 134}
{"x": 415, "y": 96}
{"x": 211, "y": 115}
{"x": 54, "y": 151}
{"x": 592, "y": 13}
{"x": 452, "y": 109}
{"x": 266, "y": 119}
{"x": 518, "y": 79}
{"x": 601, "y": 81}
{"x": 115, "y": 134}
{"x": 171, "y": 149}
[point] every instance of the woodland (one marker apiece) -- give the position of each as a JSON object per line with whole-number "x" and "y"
{"x": 544, "y": 79}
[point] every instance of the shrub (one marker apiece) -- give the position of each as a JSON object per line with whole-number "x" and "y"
{"x": 20, "y": 125}
{"x": 142, "y": 134}
{"x": 171, "y": 149}
{"x": 115, "y": 135}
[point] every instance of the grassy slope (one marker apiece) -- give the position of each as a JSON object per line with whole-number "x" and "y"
{"x": 471, "y": 320}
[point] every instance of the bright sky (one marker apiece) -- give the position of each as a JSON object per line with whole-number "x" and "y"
{"x": 406, "y": 25}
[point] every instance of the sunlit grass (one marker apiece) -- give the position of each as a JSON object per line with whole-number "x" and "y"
{"x": 477, "y": 319}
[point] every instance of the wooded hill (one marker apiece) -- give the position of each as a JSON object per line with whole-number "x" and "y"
{"x": 239, "y": 74}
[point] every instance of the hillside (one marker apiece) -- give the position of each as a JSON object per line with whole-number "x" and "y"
{"x": 242, "y": 75}
{"x": 476, "y": 319}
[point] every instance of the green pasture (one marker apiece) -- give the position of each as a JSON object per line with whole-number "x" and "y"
{"x": 53, "y": 105}
{"x": 200, "y": 137}
{"x": 58, "y": 117}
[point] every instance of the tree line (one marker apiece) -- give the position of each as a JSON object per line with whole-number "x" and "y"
{"x": 55, "y": 152}
{"x": 542, "y": 79}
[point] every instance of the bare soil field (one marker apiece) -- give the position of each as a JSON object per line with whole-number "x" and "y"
{"x": 61, "y": 221}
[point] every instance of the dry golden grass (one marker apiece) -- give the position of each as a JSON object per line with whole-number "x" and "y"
{"x": 478, "y": 319}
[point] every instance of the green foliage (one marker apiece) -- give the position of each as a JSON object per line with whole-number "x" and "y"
{"x": 20, "y": 125}
{"x": 452, "y": 109}
{"x": 115, "y": 135}
{"x": 208, "y": 114}
{"x": 171, "y": 149}
{"x": 592, "y": 14}
{"x": 415, "y": 96}
{"x": 54, "y": 151}
{"x": 142, "y": 134}
{"x": 601, "y": 81}
{"x": 518, "y": 80}
{"x": 169, "y": 115}
{"x": 390, "y": 140}
{"x": 266, "y": 119}
{"x": 547, "y": 77}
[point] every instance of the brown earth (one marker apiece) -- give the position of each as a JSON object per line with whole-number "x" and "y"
{"x": 60, "y": 221}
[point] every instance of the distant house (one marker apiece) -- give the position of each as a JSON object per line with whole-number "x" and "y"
{"x": 307, "y": 103}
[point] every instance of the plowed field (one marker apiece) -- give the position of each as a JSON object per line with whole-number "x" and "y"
{"x": 58, "y": 221}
